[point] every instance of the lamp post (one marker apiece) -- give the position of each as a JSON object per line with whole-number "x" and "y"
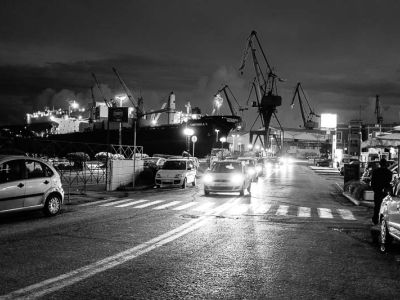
{"x": 216, "y": 130}
{"x": 233, "y": 142}
{"x": 74, "y": 105}
{"x": 188, "y": 132}
{"x": 120, "y": 98}
{"x": 194, "y": 140}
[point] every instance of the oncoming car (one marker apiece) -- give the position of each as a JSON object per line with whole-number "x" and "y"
{"x": 227, "y": 176}
{"x": 29, "y": 184}
{"x": 176, "y": 172}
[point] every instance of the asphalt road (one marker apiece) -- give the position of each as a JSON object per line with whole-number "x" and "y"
{"x": 294, "y": 237}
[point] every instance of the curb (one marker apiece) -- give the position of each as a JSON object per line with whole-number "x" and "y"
{"x": 354, "y": 200}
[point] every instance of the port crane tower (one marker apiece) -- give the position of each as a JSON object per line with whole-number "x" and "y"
{"x": 307, "y": 117}
{"x": 265, "y": 85}
{"x": 378, "y": 113}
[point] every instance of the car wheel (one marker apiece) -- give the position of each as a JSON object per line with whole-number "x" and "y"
{"x": 249, "y": 188}
{"x": 241, "y": 192}
{"x": 385, "y": 238}
{"x": 52, "y": 205}
{"x": 206, "y": 192}
{"x": 194, "y": 182}
{"x": 184, "y": 184}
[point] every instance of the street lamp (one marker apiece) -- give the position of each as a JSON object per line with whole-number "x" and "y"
{"x": 216, "y": 130}
{"x": 233, "y": 142}
{"x": 188, "y": 132}
{"x": 120, "y": 98}
{"x": 74, "y": 105}
{"x": 222, "y": 140}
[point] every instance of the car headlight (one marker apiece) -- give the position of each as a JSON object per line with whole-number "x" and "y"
{"x": 237, "y": 178}
{"x": 258, "y": 168}
{"x": 158, "y": 175}
{"x": 208, "y": 178}
{"x": 251, "y": 171}
{"x": 178, "y": 175}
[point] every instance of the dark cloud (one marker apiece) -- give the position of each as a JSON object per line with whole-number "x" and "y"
{"x": 343, "y": 52}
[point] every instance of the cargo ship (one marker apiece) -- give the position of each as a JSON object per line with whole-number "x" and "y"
{"x": 171, "y": 137}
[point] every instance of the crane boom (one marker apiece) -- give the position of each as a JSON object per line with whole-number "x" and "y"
{"x": 108, "y": 104}
{"x": 128, "y": 93}
{"x": 223, "y": 89}
{"x": 308, "y": 123}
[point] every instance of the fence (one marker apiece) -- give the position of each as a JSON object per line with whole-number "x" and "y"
{"x": 82, "y": 166}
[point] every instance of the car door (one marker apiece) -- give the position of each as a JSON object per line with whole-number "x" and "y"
{"x": 38, "y": 181}
{"x": 12, "y": 185}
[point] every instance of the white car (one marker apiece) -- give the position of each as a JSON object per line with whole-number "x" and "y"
{"x": 28, "y": 184}
{"x": 176, "y": 172}
{"x": 227, "y": 176}
{"x": 389, "y": 218}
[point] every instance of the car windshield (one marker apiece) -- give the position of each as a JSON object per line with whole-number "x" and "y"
{"x": 175, "y": 165}
{"x": 226, "y": 167}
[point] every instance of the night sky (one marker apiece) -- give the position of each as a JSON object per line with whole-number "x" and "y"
{"x": 342, "y": 52}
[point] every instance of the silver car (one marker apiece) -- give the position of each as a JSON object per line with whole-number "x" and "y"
{"x": 28, "y": 184}
{"x": 389, "y": 218}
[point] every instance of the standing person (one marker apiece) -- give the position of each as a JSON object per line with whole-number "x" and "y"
{"x": 380, "y": 183}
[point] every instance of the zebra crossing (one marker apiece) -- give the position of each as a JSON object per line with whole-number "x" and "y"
{"x": 251, "y": 209}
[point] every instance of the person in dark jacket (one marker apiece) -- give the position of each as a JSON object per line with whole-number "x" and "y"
{"x": 380, "y": 183}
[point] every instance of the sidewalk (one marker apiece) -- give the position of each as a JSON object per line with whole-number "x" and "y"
{"x": 354, "y": 200}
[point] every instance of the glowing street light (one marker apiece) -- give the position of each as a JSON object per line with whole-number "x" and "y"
{"x": 222, "y": 140}
{"x": 188, "y": 132}
{"x": 216, "y": 130}
{"x": 250, "y": 146}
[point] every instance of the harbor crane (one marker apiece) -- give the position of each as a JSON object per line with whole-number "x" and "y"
{"x": 265, "y": 85}
{"x": 378, "y": 113}
{"x": 307, "y": 117}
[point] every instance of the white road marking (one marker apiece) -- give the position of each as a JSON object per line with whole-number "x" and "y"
{"x": 132, "y": 203}
{"x": 54, "y": 284}
{"x": 184, "y": 206}
{"x": 167, "y": 205}
{"x": 204, "y": 206}
{"x": 282, "y": 210}
{"x": 325, "y": 213}
{"x": 149, "y": 204}
{"x": 261, "y": 208}
{"x": 346, "y": 214}
{"x": 304, "y": 212}
{"x": 116, "y": 202}
{"x": 97, "y": 202}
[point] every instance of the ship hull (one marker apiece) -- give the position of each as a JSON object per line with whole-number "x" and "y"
{"x": 165, "y": 139}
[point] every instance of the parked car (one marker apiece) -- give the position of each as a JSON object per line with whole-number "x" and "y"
{"x": 176, "y": 172}
{"x": 153, "y": 162}
{"x": 227, "y": 176}
{"x": 324, "y": 163}
{"x": 28, "y": 184}
{"x": 389, "y": 219}
{"x": 251, "y": 164}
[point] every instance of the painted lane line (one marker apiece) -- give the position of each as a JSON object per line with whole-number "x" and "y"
{"x": 149, "y": 204}
{"x": 304, "y": 212}
{"x": 184, "y": 206}
{"x": 54, "y": 284}
{"x": 261, "y": 208}
{"x": 239, "y": 209}
{"x": 167, "y": 205}
{"x": 132, "y": 203}
{"x": 325, "y": 213}
{"x": 204, "y": 206}
{"x": 346, "y": 214}
{"x": 97, "y": 202}
{"x": 116, "y": 202}
{"x": 282, "y": 210}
